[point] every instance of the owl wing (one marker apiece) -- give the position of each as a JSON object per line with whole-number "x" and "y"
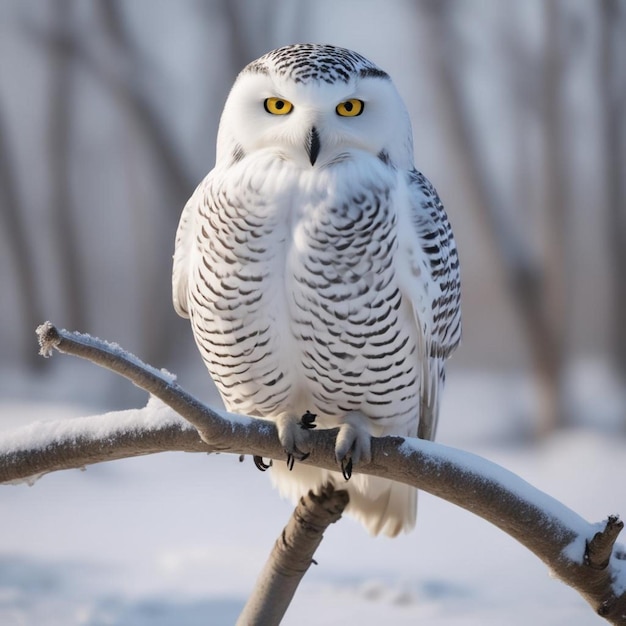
{"x": 184, "y": 248}
{"x": 429, "y": 270}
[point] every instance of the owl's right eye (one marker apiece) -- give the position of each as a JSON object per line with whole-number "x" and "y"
{"x": 277, "y": 106}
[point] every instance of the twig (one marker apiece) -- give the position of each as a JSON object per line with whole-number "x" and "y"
{"x": 213, "y": 426}
{"x": 598, "y": 551}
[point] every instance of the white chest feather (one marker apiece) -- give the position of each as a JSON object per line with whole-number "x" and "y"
{"x": 294, "y": 297}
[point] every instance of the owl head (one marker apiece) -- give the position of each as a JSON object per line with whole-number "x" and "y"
{"x": 315, "y": 105}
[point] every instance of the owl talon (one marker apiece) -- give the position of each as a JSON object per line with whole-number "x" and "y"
{"x": 307, "y": 421}
{"x": 353, "y": 444}
{"x": 346, "y": 468}
{"x": 261, "y": 464}
{"x": 296, "y": 455}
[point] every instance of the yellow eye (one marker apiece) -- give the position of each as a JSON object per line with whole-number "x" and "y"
{"x": 350, "y": 108}
{"x": 277, "y": 106}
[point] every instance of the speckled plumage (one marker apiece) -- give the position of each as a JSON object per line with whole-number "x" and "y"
{"x": 307, "y": 63}
{"x": 326, "y": 283}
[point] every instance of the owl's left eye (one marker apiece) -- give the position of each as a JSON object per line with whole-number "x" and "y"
{"x": 350, "y": 108}
{"x": 277, "y": 106}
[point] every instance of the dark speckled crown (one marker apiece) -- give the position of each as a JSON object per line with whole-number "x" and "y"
{"x": 306, "y": 62}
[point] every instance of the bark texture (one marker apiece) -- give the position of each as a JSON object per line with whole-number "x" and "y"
{"x": 292, "y": 556}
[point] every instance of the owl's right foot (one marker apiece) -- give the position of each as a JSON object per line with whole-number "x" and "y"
{"x": 294, "y": 437}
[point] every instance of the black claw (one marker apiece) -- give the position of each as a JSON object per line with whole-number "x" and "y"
{"x": 307, "y": 421}
{"x": 346, "y": 468}
{"x": 291, "y": 458}
{"x": 260, "y": 463}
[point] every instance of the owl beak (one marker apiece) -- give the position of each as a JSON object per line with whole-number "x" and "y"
{"x": 313, "y": 145}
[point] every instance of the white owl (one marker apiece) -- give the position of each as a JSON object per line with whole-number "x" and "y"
{"x": 319, "y": 270}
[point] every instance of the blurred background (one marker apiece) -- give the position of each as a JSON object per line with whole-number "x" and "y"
{"x": 108, "y": 117}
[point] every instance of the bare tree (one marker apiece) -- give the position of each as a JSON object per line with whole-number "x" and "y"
{"x": 535, "y": 288}
{"x": 63, "y": 224}
{"x": 552, "y": 290}
{"x": 613, "y": 101}
{"x": 153, "y": 225}
{"x": 111, "y": 57}
{"x": 258, "y": 26}
{"x": 577, "y": 552}
{"x": 119, "y": 66}
{"x": 16, "y": 239}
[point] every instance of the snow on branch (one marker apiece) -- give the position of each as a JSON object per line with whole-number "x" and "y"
{"x": 579, "y": 553}
{"x": 39, "y": 448}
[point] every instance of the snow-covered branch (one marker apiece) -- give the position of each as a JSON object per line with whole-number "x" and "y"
{"x": 579, "y": 553}
{"x": 29, "y": 452}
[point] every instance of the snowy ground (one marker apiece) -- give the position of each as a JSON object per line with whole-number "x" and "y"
{"x": 179, "y": 538}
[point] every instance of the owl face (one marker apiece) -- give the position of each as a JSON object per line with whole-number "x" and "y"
{"x": 315, "y": 106}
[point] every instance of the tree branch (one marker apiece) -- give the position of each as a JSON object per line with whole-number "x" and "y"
{"x": 29, "y": 452}
{"x": 292, "y": 556}
{"x": 556, "y": 534}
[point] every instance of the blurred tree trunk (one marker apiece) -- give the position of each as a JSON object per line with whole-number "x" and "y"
{"x": 549, "y": 358}
{"x": 613, "y": 101}
{"x": 110, "y": 54}
{"x": 525, "y": 276}
{"x": 127, "y": 82}
{"x": 258, "y": 26}
{"x": 17, "y": 241}
{"x": 246, "y": 34}
{"x": 155, "y": 225}
{"x": 62, "y": 222}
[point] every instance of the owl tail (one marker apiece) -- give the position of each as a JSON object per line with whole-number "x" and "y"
{"x": 381, "y": 505}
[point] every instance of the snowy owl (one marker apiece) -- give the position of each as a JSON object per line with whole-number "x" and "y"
{"x": 319, "y": 270}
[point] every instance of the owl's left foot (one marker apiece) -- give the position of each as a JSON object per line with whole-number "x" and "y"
{"x": 353, "y": 444}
